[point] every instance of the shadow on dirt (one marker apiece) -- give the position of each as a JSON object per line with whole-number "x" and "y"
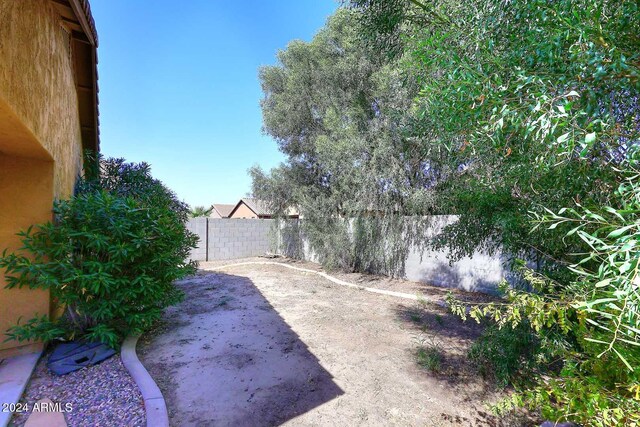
{"x": 438, "y": 320}
{"x": 224, "y": 356}
{"x": 442, "y": 344}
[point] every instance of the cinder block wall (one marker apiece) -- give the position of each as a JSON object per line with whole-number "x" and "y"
{"x": 481, "y": 272}
{"x": 199, "y": 227}
{"x": 239, "y": 238}
{"x": 224, "y": 238}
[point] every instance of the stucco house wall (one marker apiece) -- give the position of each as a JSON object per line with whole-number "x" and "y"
{"x": 40, "y": 136}
{"x": 243, "y": 211}
{"x": 37, "y": 83}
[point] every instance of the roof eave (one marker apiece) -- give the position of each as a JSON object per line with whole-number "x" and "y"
{"x": 77, "y": 20}
{"x": 82, "y": 10}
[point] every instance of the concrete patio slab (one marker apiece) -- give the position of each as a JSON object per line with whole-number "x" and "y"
{"x": 14, "y": 376}
{"x": 42, "y": 417}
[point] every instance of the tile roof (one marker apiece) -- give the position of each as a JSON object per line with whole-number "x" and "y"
{"x": 260, "y": 207}
{"x": 223, "y": 210}
{"x": 86, "y": 10}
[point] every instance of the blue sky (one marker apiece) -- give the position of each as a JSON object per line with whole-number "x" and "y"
{"x": 179, "y": 86}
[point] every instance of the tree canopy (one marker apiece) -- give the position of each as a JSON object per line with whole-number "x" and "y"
{"x": 339, "y": 111}
{"x": 522, "y": 117}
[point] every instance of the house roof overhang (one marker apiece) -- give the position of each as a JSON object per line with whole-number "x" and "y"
{"x": 76, "y": 17}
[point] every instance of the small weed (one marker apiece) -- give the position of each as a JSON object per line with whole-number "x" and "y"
{"x": 223, "y": 301}
{"x": 429, "y": 358}
{"x": 415, "y": 317}
{"x": 439, "y": 320}
{"x": 422, "y": 301}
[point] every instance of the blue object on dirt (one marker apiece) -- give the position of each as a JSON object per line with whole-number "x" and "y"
{"x": 69, "y": 357}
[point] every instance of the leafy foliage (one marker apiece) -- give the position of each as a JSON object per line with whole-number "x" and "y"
{"x": 504, "y": 113}
{"x": 607, "y": 297}
{"x": 110, "y": 257}
{"x": 429, "y": 357}
{"x": 199, "y": 211}
{"x": 125, "y": 179}
{"x": 505, "y": 354}
{"x": 530, "y": 101}
{"x": 591, "y": 323}
{"x": 338, "y": 110}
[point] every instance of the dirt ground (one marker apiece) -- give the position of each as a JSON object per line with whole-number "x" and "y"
{"x": 263, "y": 345}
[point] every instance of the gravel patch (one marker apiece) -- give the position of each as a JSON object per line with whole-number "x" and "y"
{"x": 99, "y": 395}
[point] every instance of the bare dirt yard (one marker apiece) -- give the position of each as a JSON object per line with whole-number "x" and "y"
{"x": 260, "y": 345}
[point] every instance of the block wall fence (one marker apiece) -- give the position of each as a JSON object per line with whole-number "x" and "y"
{"x": 224, "y": 238}
{"x": 238, "y": 238}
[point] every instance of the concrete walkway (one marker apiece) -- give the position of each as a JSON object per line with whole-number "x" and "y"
{"x": 14, "y": 376}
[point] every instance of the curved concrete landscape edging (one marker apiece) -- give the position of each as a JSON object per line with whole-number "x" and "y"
{"x": 154, "y": 403}
{"x": 322, "y": 274}
{"x": 441, "y": 303}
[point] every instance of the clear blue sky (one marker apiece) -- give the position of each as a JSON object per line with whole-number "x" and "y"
{"x": 179, "y": 86}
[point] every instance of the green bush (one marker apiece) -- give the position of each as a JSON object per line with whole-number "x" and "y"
{"x": 588, "y": 330}
{"x": 110, "y": 257}
{"x": 504, "y": 354}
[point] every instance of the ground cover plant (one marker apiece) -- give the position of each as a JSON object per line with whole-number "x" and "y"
{"x": 521, "y": 117}
{"x": 109, "y": 258}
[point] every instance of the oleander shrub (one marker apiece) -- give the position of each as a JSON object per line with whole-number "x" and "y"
{"x": 110, "y": 257}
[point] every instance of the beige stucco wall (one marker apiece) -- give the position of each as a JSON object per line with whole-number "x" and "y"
{"x": 34, "y": 191}
{"x": 37, "y": 83}
{"x": 40, "y": 140}
{"x": 243, "y": 212}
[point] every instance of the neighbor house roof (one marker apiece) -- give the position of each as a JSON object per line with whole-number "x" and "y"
{"x": 223, "y": 210}
{"x": 77, "y": 19}
{"x": 260, "y": 207}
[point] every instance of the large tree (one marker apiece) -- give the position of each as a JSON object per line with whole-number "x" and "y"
{"x": 538, "y": 104}
{"x": 529, "y": 99}
{"x": 499, "y": 112}
{"x": 341, "y": 112}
